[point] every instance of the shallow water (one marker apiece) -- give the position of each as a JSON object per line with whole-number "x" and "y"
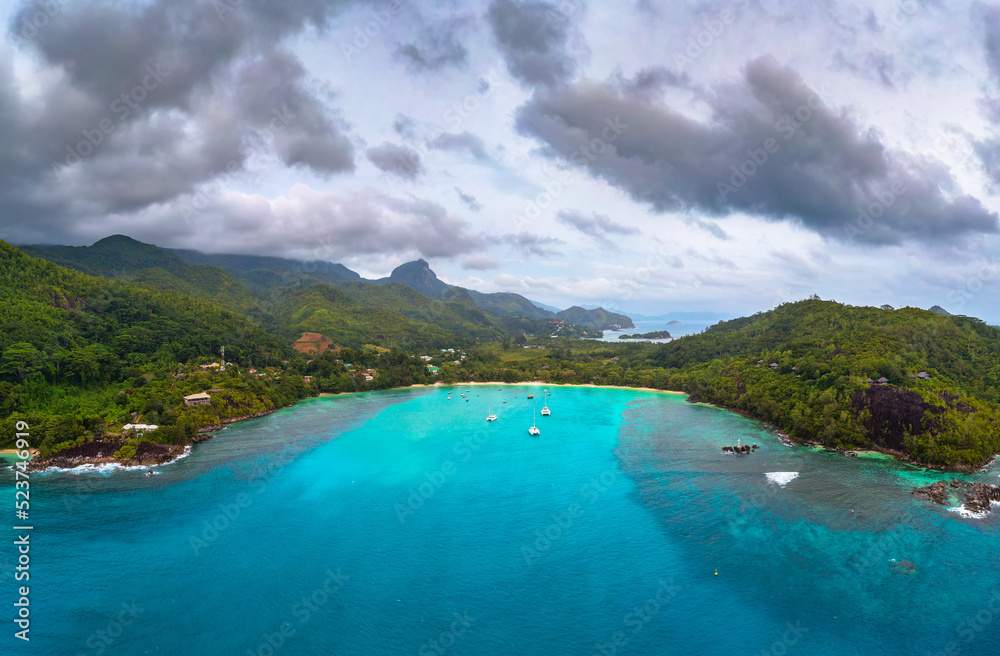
{"x": 402, "y": 522}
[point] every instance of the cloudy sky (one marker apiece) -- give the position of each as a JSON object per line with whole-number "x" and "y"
{"x": 644, "y": 155}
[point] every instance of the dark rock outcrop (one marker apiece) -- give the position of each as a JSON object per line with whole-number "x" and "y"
{"x": 976, "y": 497}
{"x": 895, "y": 412}
{"x": 100, "y": 451}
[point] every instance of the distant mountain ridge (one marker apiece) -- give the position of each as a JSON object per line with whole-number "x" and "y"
{"x": 234, "y": 280}
{"x": 123, "y": 258}
{"x": 256, "y": 262}
{"x": 599, "y": 319}
{"x": 419, "y": 276}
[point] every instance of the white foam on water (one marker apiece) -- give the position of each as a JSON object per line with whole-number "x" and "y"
{"x": 109, "y": 467}
{"x": 965, "y": 512}
{"x": 105, "y": 468}
{"x": 187, "y": 452}
{"x": 781, "y": 478}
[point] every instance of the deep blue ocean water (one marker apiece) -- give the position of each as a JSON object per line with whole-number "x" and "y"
{"x": 402, "y": 523}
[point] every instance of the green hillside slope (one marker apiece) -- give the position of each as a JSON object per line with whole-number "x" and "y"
{"x": 598, "y": 319}
{"x": 825, "y": 353}
{"x": 123, "y": 258}
{"x": 509, "y": 304}
{"x": 72, "y": 346}
{"x": 338, "y": 314}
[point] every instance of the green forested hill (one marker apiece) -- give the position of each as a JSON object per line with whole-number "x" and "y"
{"x": 123, "y": 258}
{"x": 826, "y": 352}
{"x": 277, "y": 294}
{"x": 455, "y": 312}
{"x": 598, "y": 319}
{"x": 324, "y": 309}
{"x": 509, "y": 304}
{"x": 63, "y": 315}
{"x": 263, "y": 274}
{"x": 70, "y": 342}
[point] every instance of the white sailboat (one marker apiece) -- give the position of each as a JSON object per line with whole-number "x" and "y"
{"x": 545, "y": 410}
{"x": 534, "y": 429}
{"x": 491, "y": 416}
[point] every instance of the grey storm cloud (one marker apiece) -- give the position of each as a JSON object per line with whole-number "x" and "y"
{"x": 650, "y": 82}
{"x": 141, "y": 103}
{"x": 877, "y": 66}
{"x": 991, "y": 44}
{"x": 313, "y": 224}
{"x": 469, "y": 200}
{"x": 405, "y": 127}
{"x": 526, "y": 242}
{"x": 480, "y": 262}
{"x": 711, "y": 228}
{"x": 272, "y": 94}
{"x": 598, "y": 226}
{"x": 533, "y": 38}
{"x": 772, "y": 149}
{"x": 397, "y": 160}
{"x": 435, "y": 48}
{"x": 462, "y": 141}
{"x": 988, "y": 149}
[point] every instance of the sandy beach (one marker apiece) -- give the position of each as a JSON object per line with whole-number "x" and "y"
{"x": 14, "y": 452}
{"x": 531, "y": 383}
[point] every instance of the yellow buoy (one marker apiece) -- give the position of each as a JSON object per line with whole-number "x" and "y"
{"x": 716, "y": 572}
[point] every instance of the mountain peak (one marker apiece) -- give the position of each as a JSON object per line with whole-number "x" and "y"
{"x": 419, "y": 276}
{"x": 117, "y": 241}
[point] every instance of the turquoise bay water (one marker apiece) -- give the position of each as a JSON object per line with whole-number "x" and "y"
{"x": 403, "y": 523}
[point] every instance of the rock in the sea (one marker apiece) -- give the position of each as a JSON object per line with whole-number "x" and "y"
{"x": 976, "y": 497}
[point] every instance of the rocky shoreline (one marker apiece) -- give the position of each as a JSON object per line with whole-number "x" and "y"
{"x": 226, "y": 422}
{"x": 102, "y": 452}
{"x": 902, "y": 456}
{"x": 148, "y": 454}
{"x": 976, "y": 498}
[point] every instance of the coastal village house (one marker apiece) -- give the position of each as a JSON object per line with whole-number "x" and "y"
{"x": 139, "y": 428}
{"x": 201, "y": 398}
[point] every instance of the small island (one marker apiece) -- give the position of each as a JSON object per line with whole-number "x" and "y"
{"x": 656, "y": 334}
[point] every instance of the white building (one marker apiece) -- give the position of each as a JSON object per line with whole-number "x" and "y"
{"x": 139, "y": 427}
